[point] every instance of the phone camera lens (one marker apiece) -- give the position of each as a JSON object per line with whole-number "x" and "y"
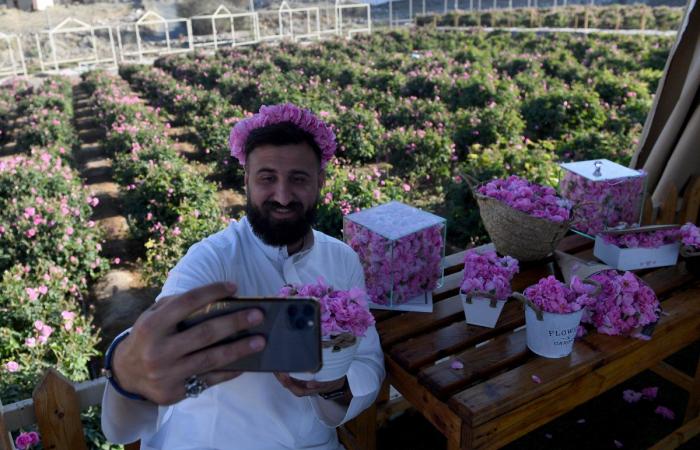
{"x": 292, "y": 310}
{"x": 300, "y": 323}
{"x": 308, "y": 310}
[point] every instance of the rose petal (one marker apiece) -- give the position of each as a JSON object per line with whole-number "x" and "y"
{"x": 457, "y": 365}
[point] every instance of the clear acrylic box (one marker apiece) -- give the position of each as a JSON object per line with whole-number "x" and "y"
{"x": 401, "y": 249}
{"x": 604, "y": 195}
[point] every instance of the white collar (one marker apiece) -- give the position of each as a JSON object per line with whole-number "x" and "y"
{"x": 279, "y": 253}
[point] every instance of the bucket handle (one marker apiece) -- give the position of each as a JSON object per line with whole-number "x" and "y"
{"x": 538, "y": 312}
{"x": 687, "y": 252}
{"x": 492, "y": 297}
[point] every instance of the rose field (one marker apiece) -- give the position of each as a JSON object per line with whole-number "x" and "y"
{"x": 118, "y": 174}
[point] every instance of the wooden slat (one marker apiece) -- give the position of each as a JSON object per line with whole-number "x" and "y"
{"x": 503, "y": 393}
{"x": 405, "y": 325}
{"x": 667, "y": 279}
{"x": 21, "y": 414}
{"x": 693, "y": 408}
{"x": 679, "y": 436}
{"x": 432, "y": 408}
{"x": 514, "y": 389}
{"x": 667, "y": 211}
{"x": 647, "y": 212}
{"x": 691, "y": 201}
{"x": 427, "y": 348}
{"x": 57, "y": 408}
{"x": 5, "y": 438}
{"x": 505, "y": 351}
{"x": 675, "y": 376}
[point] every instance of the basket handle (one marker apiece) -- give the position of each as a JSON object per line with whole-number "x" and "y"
{"x": 489, "y": 295}
{"x": 526, "y": 301}
{"x": 686, "y": 252}
{"x": 538, "y": 312}
{"x": 641, "y": 229}
{"x": 471, "y": 181}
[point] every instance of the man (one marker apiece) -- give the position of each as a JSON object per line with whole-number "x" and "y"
{"x": 168, "y": 392}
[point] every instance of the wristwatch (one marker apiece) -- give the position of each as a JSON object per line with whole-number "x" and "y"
{"x": 342, "y": 391}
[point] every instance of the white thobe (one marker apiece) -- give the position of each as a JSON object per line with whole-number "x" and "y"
{"x": 253, "y": 411}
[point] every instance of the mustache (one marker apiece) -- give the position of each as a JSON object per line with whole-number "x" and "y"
{"x": 294, "y": 206}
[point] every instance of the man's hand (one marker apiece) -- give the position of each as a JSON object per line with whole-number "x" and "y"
{"x": 155, "y": 360}
{"x": 302, "y": 388}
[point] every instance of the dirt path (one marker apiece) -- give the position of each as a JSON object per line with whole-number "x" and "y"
{"x": 119, "y": 296}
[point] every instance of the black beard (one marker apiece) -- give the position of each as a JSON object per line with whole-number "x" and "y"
{"x": 278, "y": 233}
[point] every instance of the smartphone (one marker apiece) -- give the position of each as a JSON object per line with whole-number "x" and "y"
{"x": 291, "y": 327}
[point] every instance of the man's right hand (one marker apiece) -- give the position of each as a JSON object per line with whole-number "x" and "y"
{"x": 155, "y": 360}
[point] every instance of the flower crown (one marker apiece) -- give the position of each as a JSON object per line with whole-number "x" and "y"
{"x": 287, "y": 112}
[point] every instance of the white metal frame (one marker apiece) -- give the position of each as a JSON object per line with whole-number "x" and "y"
{"x": 78, "y": 26}
{"x": 153, "y": 18}
{"x": 15, "y": 68}
{"x": 340, "y": 7}
{"x": 291, "y": 12}
{"x": 222, "y": 12}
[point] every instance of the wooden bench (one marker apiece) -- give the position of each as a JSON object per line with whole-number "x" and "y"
{"x": 494, "y": 401}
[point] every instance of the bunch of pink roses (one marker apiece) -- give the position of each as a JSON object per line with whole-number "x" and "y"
{"x": 603, "y": 204}
{"x": 398, "y": 270}
{"x": 26, "y": 440}
{"x": 531, "y": 198}
{"x": 643, "y": 239}
{"x": 690, "y": 236}
{"x": 623, "y": 304}
{"x": 553, "y": 296}
{"x": 488, "y": 273}
{"x": 341, "y": 311}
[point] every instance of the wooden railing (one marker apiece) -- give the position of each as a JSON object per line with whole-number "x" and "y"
{"x": 55, "y": 407}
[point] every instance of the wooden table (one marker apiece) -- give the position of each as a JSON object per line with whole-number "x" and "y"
{"x": 493, "y": 399}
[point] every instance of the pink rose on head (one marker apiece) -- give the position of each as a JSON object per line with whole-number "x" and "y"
{"x": 269, "y": 115}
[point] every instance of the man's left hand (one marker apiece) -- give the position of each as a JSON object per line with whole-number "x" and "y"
{"x": 302, "y": 388}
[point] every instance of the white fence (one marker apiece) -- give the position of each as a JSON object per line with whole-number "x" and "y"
{"x": 74, "y": 43}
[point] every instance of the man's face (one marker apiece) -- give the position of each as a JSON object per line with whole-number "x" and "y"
{"x": 283, "y": 185}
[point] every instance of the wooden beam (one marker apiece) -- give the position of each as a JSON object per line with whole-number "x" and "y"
{"x": 21, "y": 414}
{"x": 675, "y": 376}
{"x": 57, "y": 408}
{"x": 679, "y": 436}
{"x": 691, "y": 201}
{"x": 669, "y": 207}
{"x": 5, "y": 437}
{"x": 437, "y": 412}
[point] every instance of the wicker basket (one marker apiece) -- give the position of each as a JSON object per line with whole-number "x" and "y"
{"x": 518, "y": 234}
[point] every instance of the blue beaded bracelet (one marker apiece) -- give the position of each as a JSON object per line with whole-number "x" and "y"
{"x": 107, "y": 371}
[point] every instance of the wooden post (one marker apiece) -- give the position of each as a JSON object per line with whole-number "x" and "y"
{"x": 57, "y": 408}
{"x": 5, "y": 437}
{"x": 643, "y": 20}
{"x": 618, "y": 19}
{"x": 691, "y": 201}
{"x": 667, "y": 211}
{"x": 585, "y": 18}
{"x": 693, "y": 408}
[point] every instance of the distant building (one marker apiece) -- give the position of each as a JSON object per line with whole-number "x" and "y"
{"x": 31, "y": 5}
